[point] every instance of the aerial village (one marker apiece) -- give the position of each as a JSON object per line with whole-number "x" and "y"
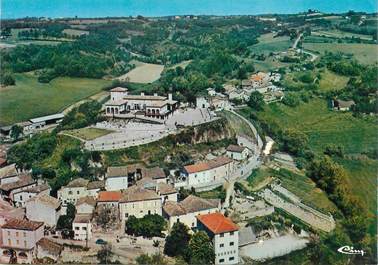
{"x": 102, "y": 210}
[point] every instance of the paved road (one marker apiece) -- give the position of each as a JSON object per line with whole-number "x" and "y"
{"x": 296, "y": 41}
{"x": 245, "y": 169}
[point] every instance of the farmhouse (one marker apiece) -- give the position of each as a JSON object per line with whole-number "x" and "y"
{"x": 22, "y": 196}
{"x": 85, "y": 205}
{"x": 43, "y": 208}
{"x": 109, "y": 198}
{"x": 153, "y": 106}
{"x": 21, "y": 237}
{"x": 224, "y": 234}
{"x": 138, "y": 201}
{"x": 187, "y": 210}
{"x": 118, "y": 178}
{"x": 208, "y": 172}
{"x": 343, "y": 105}
{"x": 73, "y": 191}
{"x": 82, "y": 226}
{"x": 237, "y": 152}
{"x": 166, "y": 191}
{"x": 8, "y": 190}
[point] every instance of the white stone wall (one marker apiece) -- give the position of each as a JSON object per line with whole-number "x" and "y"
{"x": 226, "y": 248}
{"x": 23, "y": 196}
{"x": 140, "y": 208}
{"x": 117, "y": 183}
{"x": 42, "y": 213}
{"x": 84, "y": 208}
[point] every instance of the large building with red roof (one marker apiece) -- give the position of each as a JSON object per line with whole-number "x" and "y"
{"x": 224, "y": 234}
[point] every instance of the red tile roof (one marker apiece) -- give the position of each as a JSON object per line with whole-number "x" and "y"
{"x": 118, "y": 89}
{"x": 217, "y": 223}
{"x": 109, "y": 196}
{"x": 214, "y": 163}
{"x": 22, "y": 224}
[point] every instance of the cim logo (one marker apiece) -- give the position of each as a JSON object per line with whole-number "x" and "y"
{"x": 350, "y": 251}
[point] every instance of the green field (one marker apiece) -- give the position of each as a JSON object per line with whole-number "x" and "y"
{"x": 330, "y": 81}
{"x": 268, "y": 44}
{"x": 325, "y": 127}
{"x": 29, "y": 98}
{"x": 364, "y": 53}
{"x": 340, "y": 34}
{"x": 298, "y": 184}
{"x": 88, "y": 133}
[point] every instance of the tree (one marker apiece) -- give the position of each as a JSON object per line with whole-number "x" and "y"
{"x": 294, "y": 141}
{"x": 201, "y": 249}
{"x": 154, "y": 259}
{"x": 256, "y": 101}
{"x": 104, "y": 254}
{"x": 65, "y": 221}
{"x": 16, "y": 131}
{"x": 176, "y": 244}
{"x": 106, "y": 216}
{"x": 148, "y": 226}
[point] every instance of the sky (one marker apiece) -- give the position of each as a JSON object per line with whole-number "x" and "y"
{"x": 104, "y": 8}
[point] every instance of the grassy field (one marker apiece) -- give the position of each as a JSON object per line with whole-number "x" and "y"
{"x": 364, "y": 53}
{"x": 325, "y": 127}
{"x": 298, "y": 184}
{"x": 88, "y": 133}
{"x": 330, "y": 81}
{"x": 340, "y": 34}
{"x": 144, "y": 73}
{"x": 269, "y": 64}
{"x": 268, "y": 44}
{"x": 29, "y": 98}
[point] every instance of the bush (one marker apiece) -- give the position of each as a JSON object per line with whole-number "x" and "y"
{"x": 147, "y": 226}
{"x": 291, "y": 99}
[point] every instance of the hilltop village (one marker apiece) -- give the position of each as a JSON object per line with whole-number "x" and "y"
{"x": 188, "y": 139}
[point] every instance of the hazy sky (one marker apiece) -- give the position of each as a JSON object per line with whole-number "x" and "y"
{"x": 103, "y": 8}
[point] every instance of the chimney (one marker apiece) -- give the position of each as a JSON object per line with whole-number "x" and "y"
{"x": 170, "y": 96}
{"x": 142, "y": 94}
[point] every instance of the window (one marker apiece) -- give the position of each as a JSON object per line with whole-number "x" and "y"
{"x": 221, "y": 260}
{"x": 9, "y": 242}
{"x": 221, "y": 235}
{"x": 24, "y": 234}
{"x": 78, "y": 192}
{"x": 21, "y": 197}
{"x": 17, "y": 241}
{"x": 221, "y": 245}
{"x": 126, "y": 215}
{"x": 231, "y": 233}
{"x": 77, "y": 228}
{"x": 70, "y": 192}
{"x": 231, "y": 258}
{"x": 84, "y": 228}
{"x": 8, "y": 233}
{"x": 17, "y": 234}
{"x": 231, "y": 243}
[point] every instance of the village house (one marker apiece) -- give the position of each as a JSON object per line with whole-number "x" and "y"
{"x": 224, "y": 235}
{"x": 43, "y": 208}
{"x": 237, "y": 152}
{"x": 166, "y": 191}
{"x": 119, "y": 178}
{"x": 152, "y": 106}
{"x": 73, "y": 191}
{"x": 48, "y": 249}
{"x": 342, "y": 105}
{"x": 82, "y": 226}
{"x": 202, "y": 103}
{"x": 21, "y": 237}
{"x": 109, "y": 198}
{"x": 8, "y": 212}
{"x": 85, "y": 205}
{"x": 138, "y": 201}
{"x": 208, "y": 172}
{"x": 94, "y": 187}
{"x": 157, "y": 174}
{"x": 8, "y": 174}
{"x": 24, "y": 182}
{"x": 22, "y": 196}
{"x": 187, "y": 210}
